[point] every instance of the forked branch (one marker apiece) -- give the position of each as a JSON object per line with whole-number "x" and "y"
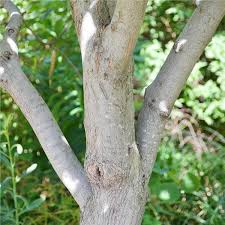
{"x": 15, "y": 82}
{"x": 113, "y": 24}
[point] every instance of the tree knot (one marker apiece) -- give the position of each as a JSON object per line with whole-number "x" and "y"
{"x": 10, "y": 31}
{"x": 105, "y": 174}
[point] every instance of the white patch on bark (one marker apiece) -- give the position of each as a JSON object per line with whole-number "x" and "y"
{"x": 163, "y": 107}
{"x": 88, "y": 29}
{"x": 105, "y": 209}
{"x": 14, "y": 13}
{"x": 70, "y": 183}
{"x": 2, "y": 70}
{"x": 93, "y": 4}
{"x": 12, "y": 45}
{"x": 65, "y": 141}
{"x": 180, "y": 44}
{"x": 197, "y": 2}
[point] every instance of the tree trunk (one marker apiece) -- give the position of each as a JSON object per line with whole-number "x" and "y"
{"x": 113, "y": 163}
{"x": 123, "y": 205}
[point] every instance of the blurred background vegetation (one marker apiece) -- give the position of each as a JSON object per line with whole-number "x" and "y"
{"x": 187, "y": 184}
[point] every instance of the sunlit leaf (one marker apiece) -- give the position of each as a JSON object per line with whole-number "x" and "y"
{"x": 190, "y": 182}
{"x": 168, "y": 192}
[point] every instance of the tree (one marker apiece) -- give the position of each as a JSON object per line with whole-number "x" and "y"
{"x": 112, "y": 186}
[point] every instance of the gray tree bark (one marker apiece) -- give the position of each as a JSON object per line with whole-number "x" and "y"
{"x": 112, "y": 187}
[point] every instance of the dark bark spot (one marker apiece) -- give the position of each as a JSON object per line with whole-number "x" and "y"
{"x": 104, "y": 92}
{"x": 113, "y": 27}
{"x": 7, "y": 55}
{"x": 95, "y": 173}
{"x": 3, "y": 81}
{"x": 150, "y": 104}
{"x": 138, "y": 145}
{"x": 143, "y": 180}
{"x": 107, "y": 24}
{"x": 106, "y": 76}
{"x": 98, "y": 172}
{"x": 164, "y": 114}
{"x": 95, "y": 44}
{"x": 129, "y": 149}
{"x": 71, "y": 5}
{"x": 11, "y": 31}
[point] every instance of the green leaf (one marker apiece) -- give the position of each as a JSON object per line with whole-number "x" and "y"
{"x": 190, "y": 182}
{"x": 4, "y": 185}
{"x": 22, "y": 200}
{"x": 33, "y": 205}
{"x": 148, "y": 219}
{"x": 7, "y": 217}
{"x": 168, "y": 192}
{"x": 4, "y": 160}
{"x": 154, "y": 183}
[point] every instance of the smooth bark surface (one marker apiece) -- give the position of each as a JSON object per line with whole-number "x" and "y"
{"x": 112, "y": 188}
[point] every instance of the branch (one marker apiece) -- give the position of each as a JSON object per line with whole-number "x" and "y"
{"x": 123, "y": 31}
{"x": 15, "y": 19}
{"x": 57, "y": 149}
{"x": 165, "y": 89}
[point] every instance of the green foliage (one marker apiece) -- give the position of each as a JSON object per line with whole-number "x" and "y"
{"x": 187, "y": 184}
{"x": 204, "y": 91}
{"x": 14, "y": 204}
{"x": 186, "y": 188}
{"x": 190, "y": 182}
{"x": 147, "y": 220}
{"x": 51, "y": 59}
{"x": 167, "y": 192}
